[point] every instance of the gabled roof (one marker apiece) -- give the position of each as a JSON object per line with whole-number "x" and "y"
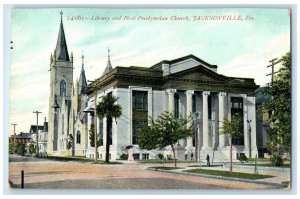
{"x": 33, "y": 128}
{"x": 191, "y": 56}
{"x": 61, "y": 50}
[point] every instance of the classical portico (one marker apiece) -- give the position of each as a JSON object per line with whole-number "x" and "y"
{"x": 212, "y": 108}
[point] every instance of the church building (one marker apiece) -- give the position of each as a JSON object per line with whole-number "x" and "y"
{"x": 184, "y": 86}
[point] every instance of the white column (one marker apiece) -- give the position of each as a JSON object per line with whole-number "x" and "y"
{"x": 245, "y": 115}
{"x": 221, "y": 119}
{"x": 189, "y": 107}
{"x": 205, "y": 120}
{"x": 171, "y": 93}
{"x": 252, "y": 117}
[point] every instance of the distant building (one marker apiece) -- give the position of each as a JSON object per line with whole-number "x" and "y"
{"x": 22, "y": 137}
{"x": 43, "y": 136}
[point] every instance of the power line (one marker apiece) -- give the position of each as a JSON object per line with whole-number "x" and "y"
{"x": 14, "y": 124}
{"x": 37, "y": 130}
{"x": 273, "y": 62}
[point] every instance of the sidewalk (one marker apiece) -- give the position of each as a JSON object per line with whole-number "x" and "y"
{"x": 280, "y": 176}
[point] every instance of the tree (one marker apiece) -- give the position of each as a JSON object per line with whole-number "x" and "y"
{"x": 279, "y": 108}
{"x": 164, "y": 131}
{"x": 233, "y": 128}
{"x": 70, "y": 142}
{"x": 92, "y": 136}
{"x": 17, "y": 147}
{"x": 109, "y": 109}
{"x": 31, "y": 149}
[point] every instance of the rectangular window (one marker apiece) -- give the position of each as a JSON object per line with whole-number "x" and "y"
{"x": 237, "y": 111}
{"x": 176, "y": 106}
{"x": 209, "y": 107}
{"x": 145, "y": 156}
{"x": 78, "y": 137}
{"x": 236, "y": 106}
{"x": 136, "y": 125}
{"x": 101, "y": 131}
{"x": 140, "y": 100}
{"x": 194, "y": 103}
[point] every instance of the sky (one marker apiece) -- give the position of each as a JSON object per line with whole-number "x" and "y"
{"x": 240, "y": 48}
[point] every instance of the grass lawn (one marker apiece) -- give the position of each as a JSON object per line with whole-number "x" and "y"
{"x": 166, "y": 161}
{"x": 267, "y": 165}
{"x": 228, "y": 174}
{"x": 166, "y": 168}
{"x": 79, "y": 159}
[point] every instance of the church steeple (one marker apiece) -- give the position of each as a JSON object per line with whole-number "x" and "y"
{"x": 108, "y": 66}
{"x": 82, "y": 79}
{"x": 61, "y": 50}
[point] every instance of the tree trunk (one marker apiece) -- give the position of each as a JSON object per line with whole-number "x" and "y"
{"x": 230, "y": 153}
{"x": 108, "y": 124}
{"x": 175, "y": 163}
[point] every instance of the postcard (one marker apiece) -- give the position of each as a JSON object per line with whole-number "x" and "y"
{"x": 150, "y": 98}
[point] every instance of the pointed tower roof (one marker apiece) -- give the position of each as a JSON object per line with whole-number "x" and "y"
{"x": 61, "y": 49}
{"x": 108, "y": 66}
{"x": 82, "y": 84}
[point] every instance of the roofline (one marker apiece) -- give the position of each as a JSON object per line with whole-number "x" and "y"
{"x": 183, "y": 58}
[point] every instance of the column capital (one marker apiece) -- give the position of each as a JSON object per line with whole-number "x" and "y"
{"x": 206, "y": 93}
{"x": 189, "y": 92}
{"x": 222, "y": 94}
{"x": 171, "y": 90}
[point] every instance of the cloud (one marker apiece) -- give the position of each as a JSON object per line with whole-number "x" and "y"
{"x": 254, "y": 64}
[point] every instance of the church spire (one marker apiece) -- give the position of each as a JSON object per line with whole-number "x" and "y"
{"x": 82, "y": 84}
{"x": 108, "y": 66}
{"x": 61, "y": 45}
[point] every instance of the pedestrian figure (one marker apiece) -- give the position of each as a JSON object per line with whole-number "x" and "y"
{"x": 207, "y": 159}
{"x": 130, "y": 154}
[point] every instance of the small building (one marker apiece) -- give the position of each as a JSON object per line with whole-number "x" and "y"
{"x": 21, "y": 137}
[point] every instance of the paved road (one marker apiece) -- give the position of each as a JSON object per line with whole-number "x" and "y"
{"x": 40, "y": 174}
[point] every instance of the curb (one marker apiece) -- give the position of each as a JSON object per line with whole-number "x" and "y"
{"x": 220, "y": 177}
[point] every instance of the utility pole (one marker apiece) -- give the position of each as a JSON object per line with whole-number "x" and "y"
{"x": 14, "y": 124}
{"x": 95, "y": 125}
{"x": 273, "y": 62}
{"x": 37, "y": 131}
{"x": 249, "y": 134}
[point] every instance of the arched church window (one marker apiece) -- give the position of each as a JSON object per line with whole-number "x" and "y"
{"x": 78, "y": 137}
{"x": 63, "y": 87}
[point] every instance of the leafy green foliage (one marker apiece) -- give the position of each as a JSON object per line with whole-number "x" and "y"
{"x": 70, "y": 141}
{"x": 92, "y": 136}
{"x": 17, "y": 147}
{"x": 279, "y": 108}
{"x": 243, "y": 158}
{"x": 277, "y": 161}
{"x": 160, "y": 156}
{"x": 109, "y": 109}
{"x": 233, "y": 127}
{"x": 32, "y": 149}
{"x": 124, "y": 156}
{"x": 164, "y": 131}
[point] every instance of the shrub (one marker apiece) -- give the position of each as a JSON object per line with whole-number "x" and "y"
{"x": 277, "y": 161}
{"x": 243, "y": 158}
{"x": 124, "y": 156}
{"x": 169, "y": 157}
{"x": 160, "y": 156}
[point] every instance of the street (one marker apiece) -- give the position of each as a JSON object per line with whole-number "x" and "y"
{"x": 46, "y": 174}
